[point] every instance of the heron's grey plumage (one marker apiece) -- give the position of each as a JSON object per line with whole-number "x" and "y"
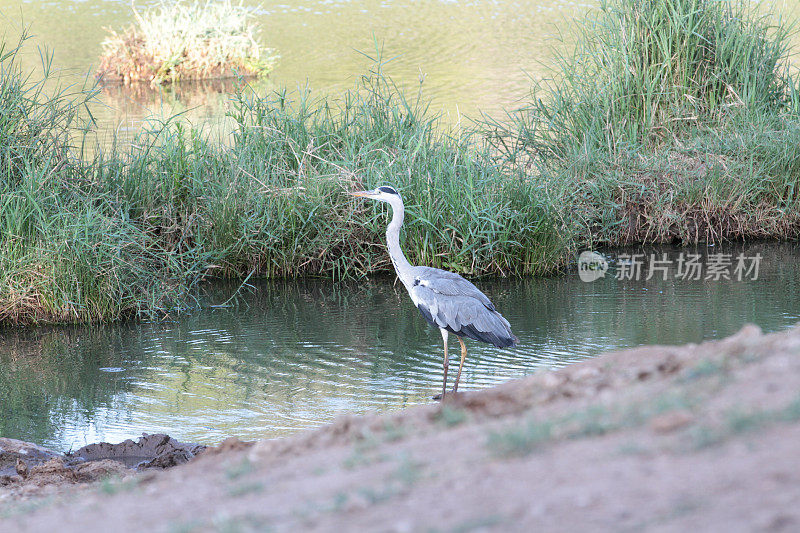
{"x": 445, "y": 299}
{"x": 448, "y": 301}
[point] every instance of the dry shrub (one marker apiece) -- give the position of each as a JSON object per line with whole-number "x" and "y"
{"x": 178, "y": 40}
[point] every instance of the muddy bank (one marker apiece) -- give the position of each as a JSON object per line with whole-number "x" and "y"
{"x": 660, "y": 438}
{"x": 27, "y": 469}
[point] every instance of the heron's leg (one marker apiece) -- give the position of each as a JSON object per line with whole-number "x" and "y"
{"x": 446, "y": 362}
{"x": 463, "y": 356}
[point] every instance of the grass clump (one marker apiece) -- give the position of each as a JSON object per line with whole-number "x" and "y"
{"x": 177, "y": 40}
{"x": 645, "y": 71}
{"x": 520, "y": 441}
{"x": 451, "y": 416}
{"x": 67, "y": 251}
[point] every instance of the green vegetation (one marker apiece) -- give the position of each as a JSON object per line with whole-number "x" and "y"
{"x": 520, "y": 440}
{"x": 175, "y": 40}
{"x": 252, "y": 487}
{"x": 129, "y": 231}
{"x": 675, "y": 120}
{"x": 739, "y": 421}
{"x": 68, "y": 250}
{"x": 111, "y": 485}
{"x": 451, "y": 416}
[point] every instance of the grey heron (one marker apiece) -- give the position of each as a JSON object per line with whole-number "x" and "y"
{"x": 446, "y": 300}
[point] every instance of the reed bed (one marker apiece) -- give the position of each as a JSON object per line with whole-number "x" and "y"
{"x": 638, "y": 141}
{"x": 129, "y": 231}
{"x": 67, "y": 252}
{"x": 672, "y": 121}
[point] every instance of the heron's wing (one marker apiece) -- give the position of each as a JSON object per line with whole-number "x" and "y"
{"x": 449, "y": 284}
{"x": 449, "y": 301}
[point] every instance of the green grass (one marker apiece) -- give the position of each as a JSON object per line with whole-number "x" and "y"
{"x": 242, "y": 468}
{"x": 113, "y": 485}
{"x": 739, "y": 420}
{"x": 451, "y": 416}
{"x": 705, "y": 368}
{"x": 673, "y": 121}
{"x": 68, "y": 252}
{"x": 592, "y": 421}
{"x": 242, "y": 489}
{"x": 129, "y": 231}
{"x": 521, "y": 440}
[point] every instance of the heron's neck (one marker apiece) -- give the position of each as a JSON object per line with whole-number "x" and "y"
{"x": 401, "y": 264}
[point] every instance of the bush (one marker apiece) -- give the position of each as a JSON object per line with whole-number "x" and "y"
{"x": 175, "y": 40}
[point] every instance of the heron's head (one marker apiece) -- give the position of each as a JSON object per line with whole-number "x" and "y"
{"x": 384, "y": 193}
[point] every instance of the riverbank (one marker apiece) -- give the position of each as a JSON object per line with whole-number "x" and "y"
{"x": 657, "y": 438}
{"x": 681, "y": 148}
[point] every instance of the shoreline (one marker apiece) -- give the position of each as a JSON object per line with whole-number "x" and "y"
{"x": 657, "y": 437}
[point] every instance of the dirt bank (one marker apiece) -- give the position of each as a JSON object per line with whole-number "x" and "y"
{"x": 699, "y": 437}
{"x": 28, "y": 470}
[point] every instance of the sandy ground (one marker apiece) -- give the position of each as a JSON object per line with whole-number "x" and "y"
{"x": 692, "y": 438}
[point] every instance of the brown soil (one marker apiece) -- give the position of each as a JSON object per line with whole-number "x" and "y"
{"x": 28, "y": 470}
{"x": 699, "y": 437}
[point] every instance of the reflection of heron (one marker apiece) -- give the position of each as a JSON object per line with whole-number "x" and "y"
{"x": 445, "y": 299}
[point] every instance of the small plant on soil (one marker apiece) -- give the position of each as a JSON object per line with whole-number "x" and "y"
{"x": 177, "y": 40}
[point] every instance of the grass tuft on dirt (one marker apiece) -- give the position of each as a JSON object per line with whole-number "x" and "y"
{"x": 176, "y": 40}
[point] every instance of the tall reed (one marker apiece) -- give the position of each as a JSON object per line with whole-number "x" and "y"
{"x": 672, "y": 120}
{"x": 67, "y": 253}
{"x": 647, "y": 70}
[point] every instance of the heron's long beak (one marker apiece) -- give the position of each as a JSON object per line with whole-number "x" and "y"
{"x": 362, "y": 194}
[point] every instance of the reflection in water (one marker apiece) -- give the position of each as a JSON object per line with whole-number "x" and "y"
{"x": 296, "y": 354}
{"x": 472, "y": 55}
{"x": 203, "y": 102}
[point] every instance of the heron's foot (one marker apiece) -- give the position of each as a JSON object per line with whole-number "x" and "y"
{"x": 450, "y": 394}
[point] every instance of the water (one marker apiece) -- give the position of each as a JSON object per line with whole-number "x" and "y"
{"x": 297, "y": 354}
{"x": 474, "y": 55}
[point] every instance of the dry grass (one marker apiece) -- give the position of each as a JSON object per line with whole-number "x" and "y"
{"x": 180, "y": 40}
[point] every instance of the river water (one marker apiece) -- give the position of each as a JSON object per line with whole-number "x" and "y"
{"x": 473, "y": 55}
{"x": 287, "y": 355}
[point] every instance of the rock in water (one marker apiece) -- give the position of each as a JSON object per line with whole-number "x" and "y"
{"x": 13, "y": 450}
{"x": 149, "y": 451}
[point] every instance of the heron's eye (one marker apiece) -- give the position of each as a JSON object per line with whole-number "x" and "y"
{"x": 387, "y": 190}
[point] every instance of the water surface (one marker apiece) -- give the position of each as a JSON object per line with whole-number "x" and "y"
{"x": 473, "y": 55}
{"x": 296, "y": 354}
